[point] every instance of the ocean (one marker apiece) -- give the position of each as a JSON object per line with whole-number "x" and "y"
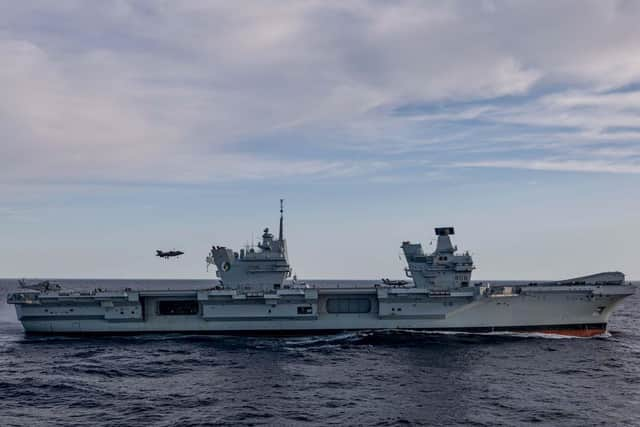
{"x": 371, "y": 379}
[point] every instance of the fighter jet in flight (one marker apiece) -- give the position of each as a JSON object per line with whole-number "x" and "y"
{"x": 168, "y": 254}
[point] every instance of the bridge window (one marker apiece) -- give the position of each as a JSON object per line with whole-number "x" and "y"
{"x": 178, "y": 308}
{"x": 348, "y": 305}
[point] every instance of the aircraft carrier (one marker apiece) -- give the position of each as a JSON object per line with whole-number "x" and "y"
{"x": 254, "y": 297}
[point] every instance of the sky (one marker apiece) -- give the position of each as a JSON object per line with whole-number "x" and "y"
{"x": 131, "y": 126}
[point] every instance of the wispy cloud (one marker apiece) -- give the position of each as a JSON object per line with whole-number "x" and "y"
{"x": 150, "y": 91}
{"x": 557, "y": 165}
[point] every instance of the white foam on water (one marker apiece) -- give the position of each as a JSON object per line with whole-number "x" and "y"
{"x": 504, "y": 334}
{"x": 325, "y": 339}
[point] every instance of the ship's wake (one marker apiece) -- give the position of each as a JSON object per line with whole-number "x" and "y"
{"x": 505, "y": 334}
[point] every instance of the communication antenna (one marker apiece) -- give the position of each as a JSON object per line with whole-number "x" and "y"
{"x": 280, "y": 234}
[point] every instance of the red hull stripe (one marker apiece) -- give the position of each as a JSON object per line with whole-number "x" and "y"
{"x": 575, "y": 332}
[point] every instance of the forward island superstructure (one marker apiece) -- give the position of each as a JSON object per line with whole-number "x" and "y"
{"x": 254, "y": 297}
{"x": 262, "y": 269}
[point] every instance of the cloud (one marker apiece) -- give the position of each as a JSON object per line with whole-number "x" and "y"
{"x": 198, "y": 91}
{"x": 557, "y": 165}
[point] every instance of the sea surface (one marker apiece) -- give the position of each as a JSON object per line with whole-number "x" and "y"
{"x": 377, "y": 379}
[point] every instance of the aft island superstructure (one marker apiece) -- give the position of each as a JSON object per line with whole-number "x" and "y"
{"x": 254, "y": 297}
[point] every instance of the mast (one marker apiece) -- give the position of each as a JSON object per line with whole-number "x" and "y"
{"x": 280, "y": 236}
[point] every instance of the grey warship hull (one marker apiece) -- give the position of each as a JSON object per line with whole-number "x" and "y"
{"x": 559, "y": 309}
{"x": 253, "y": 297}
